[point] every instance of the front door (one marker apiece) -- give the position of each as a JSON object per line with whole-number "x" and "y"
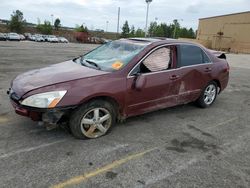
{"x": 161, "y": 82}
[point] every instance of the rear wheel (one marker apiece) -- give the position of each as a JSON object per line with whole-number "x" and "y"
{"x": 92, "y": 120}
{"x": 208, "y": 95}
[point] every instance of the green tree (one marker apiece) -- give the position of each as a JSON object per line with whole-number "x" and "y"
{"x": 57, "y": 23}
{"x": 177, "y": 27}
{"x": 81, "y": 28}
{"x": 139, "y": 33}
{"x": 132, "y": 31}
{"x": 152, "y": 29}
{"x": 125, "y": 30}
{"x": 186, "y": 33}
{"x": 161, "y": 30}
{"x": 17, "y": 22}
{"x": 191, "y": 33}
{"x": 183, "y": 33}
{"x": 173, "y": 30}
{"x": 45, "y": 28}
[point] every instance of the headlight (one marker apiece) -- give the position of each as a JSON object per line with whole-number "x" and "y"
{"x": 44, "y": 100}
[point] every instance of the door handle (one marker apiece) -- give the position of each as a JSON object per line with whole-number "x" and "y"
{"x": 208, "y": 69}
{"x": 174, "y": 77}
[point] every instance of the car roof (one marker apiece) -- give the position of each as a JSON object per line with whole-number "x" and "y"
{"x": 157, "y": 40}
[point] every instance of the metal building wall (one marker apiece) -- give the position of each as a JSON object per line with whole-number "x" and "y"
{"x": 227, "y": 32}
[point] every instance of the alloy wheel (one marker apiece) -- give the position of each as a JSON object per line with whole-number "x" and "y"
{"x": 96, "y": 122}
{"x": 210, "y": 94}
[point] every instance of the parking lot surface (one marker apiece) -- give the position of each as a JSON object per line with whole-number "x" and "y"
{"x": 184, "y": 146}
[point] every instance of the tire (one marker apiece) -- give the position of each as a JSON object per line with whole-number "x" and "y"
{"x": 208, "y": 95}
{"x": 92, "y": 120}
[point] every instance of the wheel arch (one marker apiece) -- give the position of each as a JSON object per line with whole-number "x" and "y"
{"x": 218, "y": 84}
{"x": 117, "y": 106}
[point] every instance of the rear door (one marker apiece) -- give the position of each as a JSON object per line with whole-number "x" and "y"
{"x": 159, "y": 90}
{"x": 194, "y": 68}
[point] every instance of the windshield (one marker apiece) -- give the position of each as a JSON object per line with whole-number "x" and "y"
{"x": 112, "y": 56}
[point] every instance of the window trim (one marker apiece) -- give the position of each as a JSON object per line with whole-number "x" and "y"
{"x": 202, "y": 50}
{"x": 176, "y": 68}
{"x": 148, "y": 54}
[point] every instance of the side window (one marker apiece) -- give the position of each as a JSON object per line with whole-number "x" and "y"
{"x": 206, "y": 58}
{"x": 191, "y": 55}
{"x": 160, "y": 59}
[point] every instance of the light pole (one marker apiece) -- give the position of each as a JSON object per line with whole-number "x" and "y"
{"x": 52, "y": 17}
{"x": 175, "y": 25}
{"x": 107, "y": 23}
{"x": 118, "y": 21}
{"x": 146, "y": 28}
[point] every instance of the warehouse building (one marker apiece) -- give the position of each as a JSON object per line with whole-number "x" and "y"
{"x": 227, "y": 32}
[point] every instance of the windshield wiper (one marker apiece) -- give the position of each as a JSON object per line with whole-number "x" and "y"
{"x": 82, "y": 61}
{"x": 86, "y": 63}
{"x": 93, "y": 63}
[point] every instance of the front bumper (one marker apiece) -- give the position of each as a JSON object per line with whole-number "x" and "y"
{"x": 51, "y": 116}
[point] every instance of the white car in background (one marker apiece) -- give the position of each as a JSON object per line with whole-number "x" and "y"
{"x": 22, "y": 37}
{"x": 32, "y": 38}
{"x": 52, "y": 38}
{"x": 14, "y": 36}
{"x": 39, "y": 38}
{"x": 63, "y": 40}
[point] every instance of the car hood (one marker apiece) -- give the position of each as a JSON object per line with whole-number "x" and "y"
{"x": 57, "y": 73}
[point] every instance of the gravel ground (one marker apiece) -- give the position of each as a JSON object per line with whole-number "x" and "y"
{"x": 184, "y": 146}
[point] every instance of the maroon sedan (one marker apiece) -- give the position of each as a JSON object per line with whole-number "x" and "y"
{"x": 117, "y": 80}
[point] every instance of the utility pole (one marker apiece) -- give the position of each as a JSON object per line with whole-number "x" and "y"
{"x": 52, "y": 17}
{"x": 107, "y": 23}
{"x": 175, "y": 27}
{"x": 146, "y": 28}
{"x": 174, "y": 30}
{"x": 118, "y": 21}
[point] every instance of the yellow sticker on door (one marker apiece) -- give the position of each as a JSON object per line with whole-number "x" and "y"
{"x": 117, "y": 65}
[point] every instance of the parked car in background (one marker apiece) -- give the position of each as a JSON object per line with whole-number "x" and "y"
{"x": 63, "y": 40}
{"x": 22, "y": 37}
{"x": 118, "y": 80}
{"x": 27, "y": 36}
{"x": 46, "y": 37}
{"x": 39, "y": 38}
{"x": 14, "y": 37}
{"x": 52, "y": 38}
{"x": 32, "y": 38}
{"x": 3, "y": 37}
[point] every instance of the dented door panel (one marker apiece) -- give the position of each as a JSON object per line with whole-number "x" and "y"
{"x": 193, "y": 80}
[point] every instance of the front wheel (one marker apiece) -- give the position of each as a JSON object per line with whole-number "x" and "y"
{"x": 92, "y": 120}
{"x": 208, "y": 95}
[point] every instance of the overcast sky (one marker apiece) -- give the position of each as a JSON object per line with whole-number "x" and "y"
{"x": 95, "y": 13}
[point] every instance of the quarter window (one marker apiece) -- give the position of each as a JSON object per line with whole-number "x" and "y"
{"x": 191, "y": 55}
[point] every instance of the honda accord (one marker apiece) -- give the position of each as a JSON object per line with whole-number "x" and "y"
{"x": 117, "y": 80}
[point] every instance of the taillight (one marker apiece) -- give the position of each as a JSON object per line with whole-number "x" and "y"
{"x": 228, "y": 67}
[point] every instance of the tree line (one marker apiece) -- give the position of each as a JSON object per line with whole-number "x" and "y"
{"x": 173, "y": 30}
{"x": 17, "y": 24}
